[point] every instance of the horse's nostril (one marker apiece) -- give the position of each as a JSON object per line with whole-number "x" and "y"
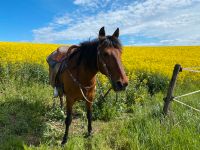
{"x": 119, "y": 84}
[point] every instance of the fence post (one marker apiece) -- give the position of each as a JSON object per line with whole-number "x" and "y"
{"x": 169, "y": 97}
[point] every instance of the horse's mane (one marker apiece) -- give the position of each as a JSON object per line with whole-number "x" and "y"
{"x": 88, "y": 50}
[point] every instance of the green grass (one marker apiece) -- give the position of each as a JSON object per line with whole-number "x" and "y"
{"x": 133, "y": 121}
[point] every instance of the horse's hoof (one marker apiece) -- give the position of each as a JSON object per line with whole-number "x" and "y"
{"x": 64, "y": 141}
{"x": 89, "y": 134}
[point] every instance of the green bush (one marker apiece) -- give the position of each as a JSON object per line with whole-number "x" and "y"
{"x": 155, "y": 82}
{"x": 136, "y": 93}
{"x": 109, "y": 107}
{"x": 115, "y": 104}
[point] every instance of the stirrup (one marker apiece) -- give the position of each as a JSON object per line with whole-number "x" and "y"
{"x": 55, "y": 93}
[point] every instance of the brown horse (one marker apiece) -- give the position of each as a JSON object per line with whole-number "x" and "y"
{"x": 79, "y": 76}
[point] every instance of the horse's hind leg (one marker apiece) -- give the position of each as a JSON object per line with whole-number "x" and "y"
{"x": 61, "y": 102}
{"x": 68, "y": 121}
{"x": 60, "y": 94}
{"x": 54, "y": 103}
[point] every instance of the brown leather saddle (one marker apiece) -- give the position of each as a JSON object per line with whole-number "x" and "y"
{"x": 55, "y": 60}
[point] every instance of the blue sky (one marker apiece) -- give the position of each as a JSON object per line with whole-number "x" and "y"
{"x": 141, "y": 22}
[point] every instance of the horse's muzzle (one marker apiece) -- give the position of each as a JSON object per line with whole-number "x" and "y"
{"x": 119, "y": 86}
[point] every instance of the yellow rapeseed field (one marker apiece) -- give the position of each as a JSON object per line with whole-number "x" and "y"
{"x": 161, "y": 59}
{"x": 12, "y": 52}
{"x": 151, "y": 59}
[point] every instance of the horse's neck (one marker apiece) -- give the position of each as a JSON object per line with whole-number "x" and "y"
{"x": 86, "y": 70}
{"x": 87, "y": 76}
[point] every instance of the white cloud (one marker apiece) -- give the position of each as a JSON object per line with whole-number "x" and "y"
{"x": 174, "y": 22}
{"x": 92, "y": 3}
{"x": 66, "y": 19}
{"x": 83, "y": 2}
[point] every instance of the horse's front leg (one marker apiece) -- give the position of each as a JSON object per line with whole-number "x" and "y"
{"x": 68, "y": 121}
{"x": 89, "y": 117}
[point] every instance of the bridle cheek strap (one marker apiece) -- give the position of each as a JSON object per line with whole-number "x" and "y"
{"x": 103, "y": 64}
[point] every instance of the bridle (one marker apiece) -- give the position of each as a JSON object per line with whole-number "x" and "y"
{"x": 103, "y": 64}
{"x": 81, "y": 87}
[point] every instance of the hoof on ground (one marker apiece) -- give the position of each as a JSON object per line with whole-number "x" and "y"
{"x": 87, "y": 135}
{"x": 63, "y": 142}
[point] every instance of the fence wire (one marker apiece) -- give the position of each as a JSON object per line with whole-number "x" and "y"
{"x": 196, "y": 67}
{"x": 186, "y": 105}
{"x": 187, "y": 94}
{"x": 192, "y": 69}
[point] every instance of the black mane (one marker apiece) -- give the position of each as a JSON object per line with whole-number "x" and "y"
{"x": 87, "y": 50}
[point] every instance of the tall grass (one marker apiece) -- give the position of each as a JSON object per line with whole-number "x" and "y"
{"x": 132, "y": 121}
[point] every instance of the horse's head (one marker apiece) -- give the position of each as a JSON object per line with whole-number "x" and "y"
{"x": 109, "y": 59}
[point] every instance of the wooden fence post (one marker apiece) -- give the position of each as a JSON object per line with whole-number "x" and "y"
{"x": 169, "y": 97}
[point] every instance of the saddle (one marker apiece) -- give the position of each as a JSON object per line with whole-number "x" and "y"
{"x": 55, "y": 60}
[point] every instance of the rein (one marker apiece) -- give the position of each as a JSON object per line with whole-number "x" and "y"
{"x": 81, "y": 86}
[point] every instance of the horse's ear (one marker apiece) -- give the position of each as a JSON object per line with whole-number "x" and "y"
{"x": 116, "y": 33}
{"x": 102, "y": 32}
